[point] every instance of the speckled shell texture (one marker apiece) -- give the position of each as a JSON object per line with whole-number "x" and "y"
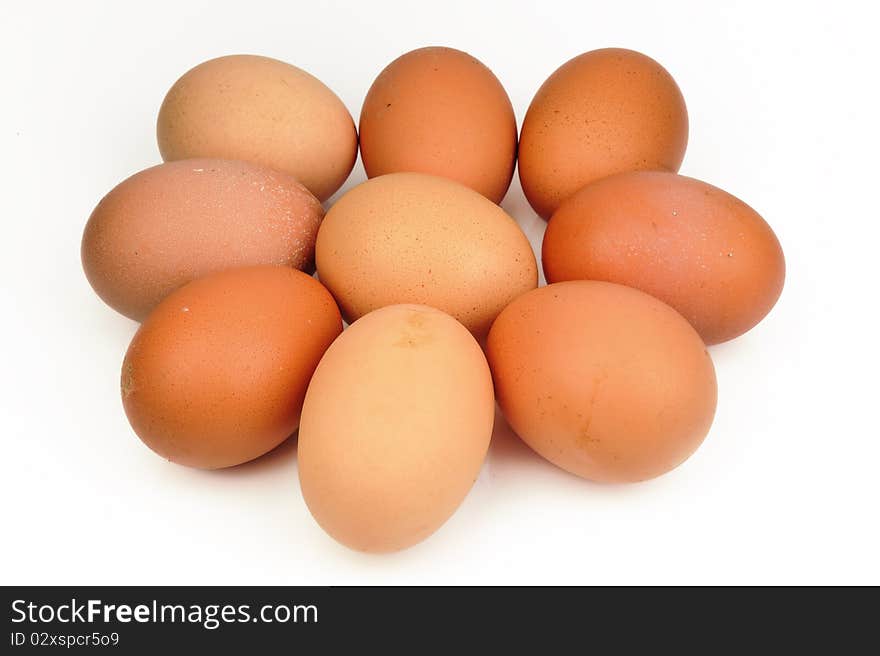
{"x": 698, "y": 248}
{"x": 440, "y": 111}
{"x": 603, "y": 112}
{"x": 415, "y": 238}
{"x": 175, "y": 222}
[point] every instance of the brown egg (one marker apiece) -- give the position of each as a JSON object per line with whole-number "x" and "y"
{"x": 603, "y": 112}
{"x": 176, "y": 222}
{"x": 260, "y": 110}
{"x": 602, "y": 380}
{"x": 414, "y": 238}
{"x": 440, "y": 111}
{"x": 395, "y": 426}
{"x": 692, "y": 245}
{"x": 217, "y": 374}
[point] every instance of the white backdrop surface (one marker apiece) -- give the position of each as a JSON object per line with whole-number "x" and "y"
{"x": 783, "y": 102}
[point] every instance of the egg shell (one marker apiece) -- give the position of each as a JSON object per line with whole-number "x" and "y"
{"x": 440, "y": 111}
{"x": 217, "y": 374}
{"x": 698, "y": 248}
{"x": 602, "y": 380}
{"x": 261, "y": 110}
{"x": 173, "y": 223}
{"x": 603, "y": 112}
{"x": 415, "y": 238}
{"x": 395, "y": 426}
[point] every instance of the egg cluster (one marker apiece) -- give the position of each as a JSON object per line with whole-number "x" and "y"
{"x": 603, "y": 372}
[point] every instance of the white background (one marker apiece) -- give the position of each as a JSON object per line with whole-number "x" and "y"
{"x": 783, "y": 102}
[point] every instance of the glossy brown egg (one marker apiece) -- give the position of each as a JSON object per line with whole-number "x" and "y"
{"x": 602, "y": 380}
{"x": 440, "y": 111}
{"x": 217, "y": 374}
{"x": 260, "y": 110}
{"x": 701, "y": 250}
{"x": 603, "y": 112}
{"x": 173, "y": 223}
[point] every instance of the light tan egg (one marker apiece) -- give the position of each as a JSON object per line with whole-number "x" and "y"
{"x": 395, "y": 426}
{"x": 260, "y": 110}
{"x": 415, "y": 238}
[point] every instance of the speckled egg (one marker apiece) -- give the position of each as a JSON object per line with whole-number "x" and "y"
{"x": 603, "y": 112}
{"x": 440, "y": 111}
{"x": 415, "y": 238}
{"x": 698, "y": 248}
{"x": 178, "y": 221}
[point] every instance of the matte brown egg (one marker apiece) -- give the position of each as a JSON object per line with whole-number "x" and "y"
{"x": 602, "y": 380}
{"x": 698, "y": 248}
{"x": 217, "y": 374}
{"x": 415, "y": 238}
{"x": 173, "y": 223}
{"x": 603, "y": 112}
{"x": 440, "y": 111}
{"x": 260, "y": 110}
{"x": 395, "y": 427}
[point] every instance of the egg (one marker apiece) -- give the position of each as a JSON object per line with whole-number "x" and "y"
{"x": 415, "y": 238}
{"x": 260, "y": 110}
{"x": 217, "y": 374}
{"x": 172, "y": 223}
{"x": 440, "y": 111}
{"x": 698, "y": 248}
{"x": 603, "y": 380}
{"x": 395, "y": 426}
{"x": 603, "y": 112}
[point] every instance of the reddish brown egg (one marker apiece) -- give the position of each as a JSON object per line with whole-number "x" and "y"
{"x": 602, "y": 380}
{"x": 603, "y": 112}
{"x": 176, "y": 222}
{"x": 440, "y": 111}
{"x": 217, "y": 374}
{"x": 701, "y": 250}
